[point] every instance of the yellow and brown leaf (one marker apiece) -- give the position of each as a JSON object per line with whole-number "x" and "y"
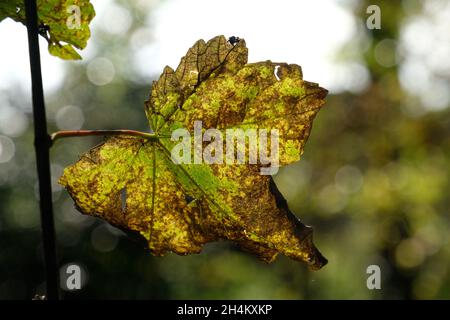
{"x": 133, "y": 183}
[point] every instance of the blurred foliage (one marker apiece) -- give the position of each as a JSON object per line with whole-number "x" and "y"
{"x": 374, "y": 183}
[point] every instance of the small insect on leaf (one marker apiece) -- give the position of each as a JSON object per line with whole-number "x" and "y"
{"x": 180, "y": 206}
{"x": 233, "y": 40}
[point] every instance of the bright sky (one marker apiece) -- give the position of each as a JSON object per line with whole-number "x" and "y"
{"x": 14, "y": 61}
{"x": 305, "y": 33}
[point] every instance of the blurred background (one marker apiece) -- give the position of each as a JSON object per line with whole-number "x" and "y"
{"x": 373, "y": 181}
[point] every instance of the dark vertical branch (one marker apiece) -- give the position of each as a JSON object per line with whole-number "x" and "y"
{"x": 42, "y": 147}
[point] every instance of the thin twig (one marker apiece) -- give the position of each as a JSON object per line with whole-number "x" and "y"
{"x": 42, "y": 146}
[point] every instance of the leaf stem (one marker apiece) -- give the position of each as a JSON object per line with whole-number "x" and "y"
{"x": 119, "y": 132}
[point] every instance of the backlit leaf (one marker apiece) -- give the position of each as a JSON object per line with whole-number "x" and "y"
{"x": 134, "y": 184}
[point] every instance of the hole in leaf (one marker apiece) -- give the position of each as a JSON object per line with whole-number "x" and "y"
{"x": 123, "y": 198}
{"x": 275, "y": 72}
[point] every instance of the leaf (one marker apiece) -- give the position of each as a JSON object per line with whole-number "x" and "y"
{"x": 132, "y": 182}
{"x": 66, "y": 52}
{"x": 12, "y": 9}
{"x": 63, "y": 23}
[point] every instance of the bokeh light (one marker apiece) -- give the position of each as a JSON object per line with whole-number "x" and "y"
{"x": 100, "y": 71}
{"x": 69, "y": 118}
{"x": 7, "y": 149}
